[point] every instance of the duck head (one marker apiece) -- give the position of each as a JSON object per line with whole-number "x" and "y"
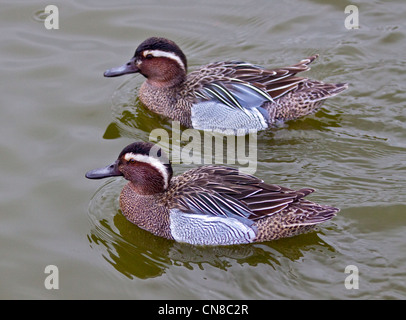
{"x": 145, "y": 165}
{"x": 159, "y": 60}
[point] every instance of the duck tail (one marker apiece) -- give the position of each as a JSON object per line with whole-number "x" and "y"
{"x": 311, "y": 214}
{"x": 313, "y": 91}
{"x": 306, "y": 99}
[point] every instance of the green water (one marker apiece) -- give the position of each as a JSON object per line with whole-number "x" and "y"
{"x": 60, "y": 118}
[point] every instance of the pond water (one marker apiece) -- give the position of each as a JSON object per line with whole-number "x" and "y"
{"x": 60, "y": 118}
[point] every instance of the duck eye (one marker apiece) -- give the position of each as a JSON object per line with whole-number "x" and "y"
{"x": 132, "y": 161}
{"x": 149, "y": 56}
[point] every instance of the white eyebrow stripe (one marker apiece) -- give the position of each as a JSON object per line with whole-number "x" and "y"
{"x": 164, "y": 54}
{"x": 158, "y": 165}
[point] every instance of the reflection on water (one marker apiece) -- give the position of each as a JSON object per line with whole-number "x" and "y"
{"x": 135, "y": 252}
{"x": 130, "y": 115}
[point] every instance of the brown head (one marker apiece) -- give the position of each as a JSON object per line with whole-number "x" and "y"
{"x": 160, "y": 60}
{"x": 143, "y": 164}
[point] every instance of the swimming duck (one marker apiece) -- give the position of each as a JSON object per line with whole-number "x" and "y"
{"x": 208, "y": 205}
{"x": 225, "y": 95}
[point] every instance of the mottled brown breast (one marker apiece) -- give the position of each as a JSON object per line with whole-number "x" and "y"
{"x": 168, "y": 102}
{"x": 147, "y": 212}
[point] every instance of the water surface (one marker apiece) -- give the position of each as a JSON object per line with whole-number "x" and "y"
{"x": 60, "y": 118}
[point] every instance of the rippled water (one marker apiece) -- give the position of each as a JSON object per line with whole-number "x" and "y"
{"x": 60, "y": 118}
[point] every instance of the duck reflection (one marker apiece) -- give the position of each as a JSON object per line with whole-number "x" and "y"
{"x": 131, "y": 118}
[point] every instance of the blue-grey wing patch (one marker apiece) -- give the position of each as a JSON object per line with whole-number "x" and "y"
{"x": 230, "y": 105}
{"x": 203, "y": 229}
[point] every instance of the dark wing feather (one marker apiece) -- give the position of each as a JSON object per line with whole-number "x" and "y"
{"x": 223, "y": 81}
{"x": 225, "y": 191}
{"x": 275, "y": 82}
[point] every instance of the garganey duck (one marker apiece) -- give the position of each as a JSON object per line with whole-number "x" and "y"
{"x": 208, "y": 205}
{"x": 225, "y": 95}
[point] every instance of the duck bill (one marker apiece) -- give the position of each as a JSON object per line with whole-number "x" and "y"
{"x": 106, "y": 172}
{"x": 129, "y": 67}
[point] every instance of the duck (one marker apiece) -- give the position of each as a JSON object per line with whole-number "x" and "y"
{"x": 209, "y": 205}
{"x": 229, "y": 95}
